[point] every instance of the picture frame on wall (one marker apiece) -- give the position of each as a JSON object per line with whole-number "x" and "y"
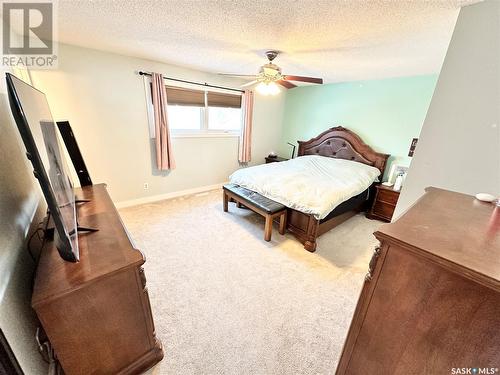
{"x": 396, "y": 169}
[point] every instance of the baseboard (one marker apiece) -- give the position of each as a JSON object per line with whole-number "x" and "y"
{"x": 174, "y": 194}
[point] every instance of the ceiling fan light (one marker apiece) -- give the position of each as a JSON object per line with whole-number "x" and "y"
{"x": 273, "y": 88}
{"x": 267, "y": 88}
{"x": 270, "y": 69}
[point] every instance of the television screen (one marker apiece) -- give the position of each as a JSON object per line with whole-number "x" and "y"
{"x": 40, "y": 136}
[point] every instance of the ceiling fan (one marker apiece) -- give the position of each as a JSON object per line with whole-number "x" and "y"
{"x": 270, "y": 74}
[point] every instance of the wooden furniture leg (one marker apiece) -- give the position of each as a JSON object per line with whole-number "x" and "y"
{"x": 282, "y": 222}
{"x": 268, "y": 230}
{"x": 269, "y": 209}
{"x": 225, "y": 200}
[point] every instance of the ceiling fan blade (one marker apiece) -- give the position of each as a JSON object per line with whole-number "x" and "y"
{"x": 304, "y": 79}
{"x": 288, "y": 85}
{"x": 246, "y": 76}
{"x": 250, "y": 83}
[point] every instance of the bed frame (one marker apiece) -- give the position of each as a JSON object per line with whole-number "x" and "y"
{"x": 340, "y": 143}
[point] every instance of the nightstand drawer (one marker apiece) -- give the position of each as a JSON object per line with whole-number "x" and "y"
{"x": 384, "y": 204}
{"x": 383, "y": 210}
{"x": 388, "y": 196}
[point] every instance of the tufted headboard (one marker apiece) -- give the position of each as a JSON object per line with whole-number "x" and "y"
{"x": 341, "y": 143}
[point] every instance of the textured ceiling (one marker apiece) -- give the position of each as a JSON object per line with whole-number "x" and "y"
{"x": 337, "y": 40}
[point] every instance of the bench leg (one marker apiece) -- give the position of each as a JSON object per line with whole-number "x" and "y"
{"x": 268, "y": 230}
{"x": 224, "y": 200}
{"x": 283, "y": 222}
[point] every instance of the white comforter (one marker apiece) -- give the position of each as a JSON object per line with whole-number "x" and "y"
{"x": 310, "y": 184}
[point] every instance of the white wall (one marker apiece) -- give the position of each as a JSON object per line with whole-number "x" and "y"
{"x": 104, "y": 100}
{"x": 459, "y": 146}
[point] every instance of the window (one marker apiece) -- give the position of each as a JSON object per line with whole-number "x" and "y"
{"x": 183, "y": 117}
{"x": 199, "y": 112}
{"x": 225, "y": 119}
{"x": 224, "y": 112}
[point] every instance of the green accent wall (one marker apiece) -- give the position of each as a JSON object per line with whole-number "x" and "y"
{"x": 386, "y": 113}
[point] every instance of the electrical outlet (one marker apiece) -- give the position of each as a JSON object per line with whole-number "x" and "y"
{"x": 146, "y": 186}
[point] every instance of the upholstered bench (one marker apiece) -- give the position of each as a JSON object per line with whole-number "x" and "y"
{"x": 257, "y": 203}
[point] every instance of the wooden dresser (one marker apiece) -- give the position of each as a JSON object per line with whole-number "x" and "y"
{"x": 431, "y": 299}
{"x": 96, "y": 312}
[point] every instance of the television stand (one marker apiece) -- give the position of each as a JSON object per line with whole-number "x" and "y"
{"x": 96, "y": 312}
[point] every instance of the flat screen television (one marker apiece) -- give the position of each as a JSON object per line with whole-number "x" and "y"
{"x": 39, "y": 132}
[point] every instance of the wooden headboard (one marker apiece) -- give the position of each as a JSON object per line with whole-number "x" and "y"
{"x": 341, "y": 143}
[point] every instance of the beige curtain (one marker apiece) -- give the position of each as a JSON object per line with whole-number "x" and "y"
{"x": 164, "y": 154}
{"x": 245, "y": 149}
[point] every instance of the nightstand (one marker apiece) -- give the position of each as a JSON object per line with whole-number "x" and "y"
{"x": 384, "y": 203}
{"x": 277, "y": 159}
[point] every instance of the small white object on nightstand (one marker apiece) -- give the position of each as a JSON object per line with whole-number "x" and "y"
{"x": 398, "y": 183}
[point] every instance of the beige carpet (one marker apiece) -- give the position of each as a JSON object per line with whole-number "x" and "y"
{"x": 226, "y": 302}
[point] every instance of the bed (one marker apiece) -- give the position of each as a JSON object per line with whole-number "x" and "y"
{"x": 325, "y": 206}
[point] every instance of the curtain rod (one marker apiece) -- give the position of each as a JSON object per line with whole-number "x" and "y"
{"x": 193, "y": 83}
